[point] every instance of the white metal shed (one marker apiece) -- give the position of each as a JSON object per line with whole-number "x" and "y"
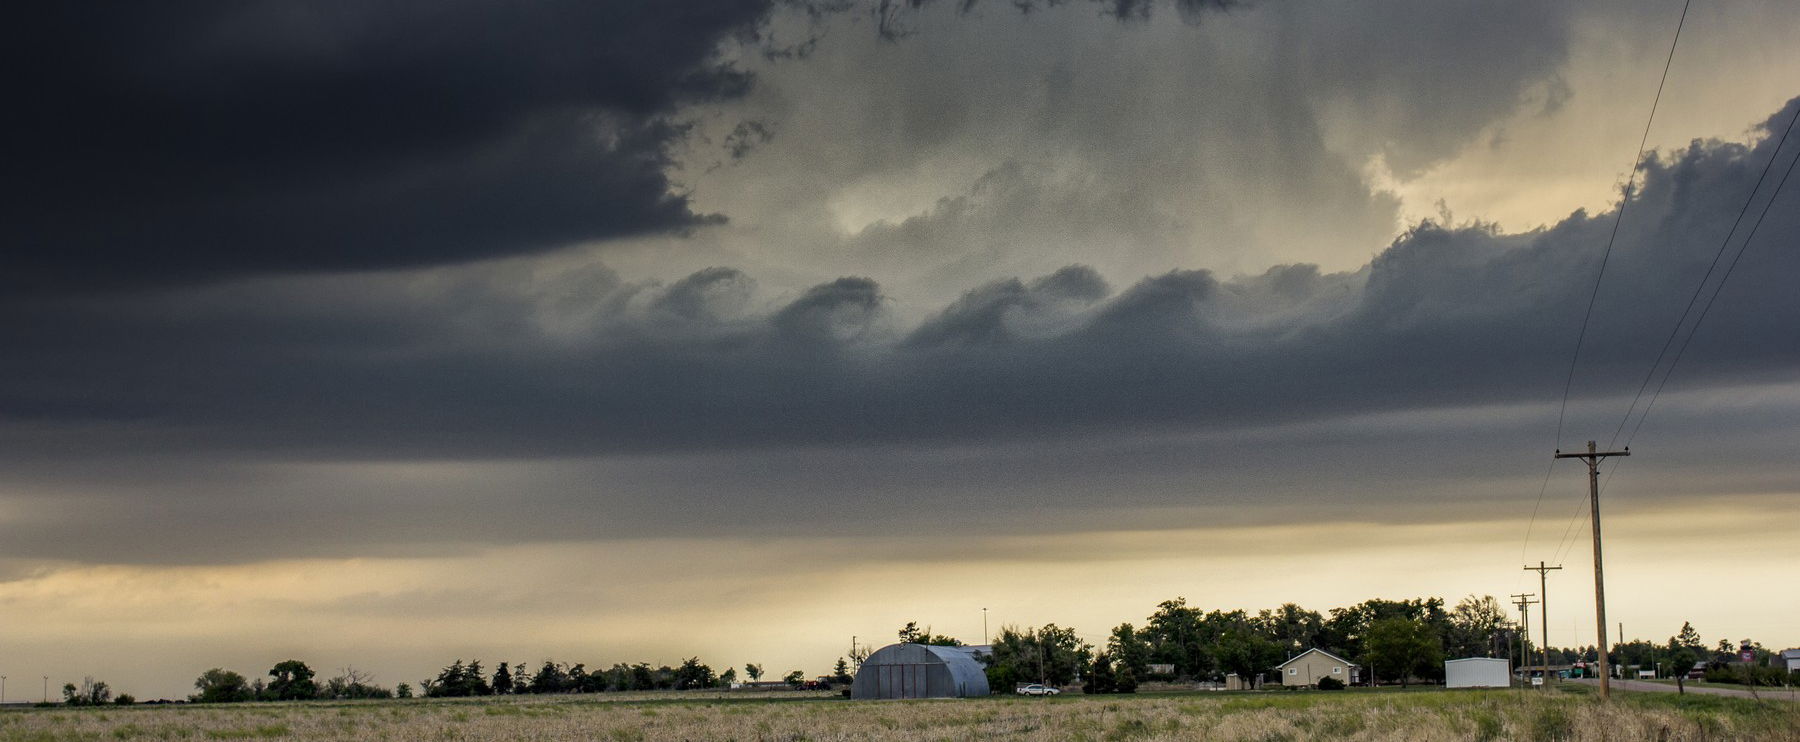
{"x": 1478, "y": 672}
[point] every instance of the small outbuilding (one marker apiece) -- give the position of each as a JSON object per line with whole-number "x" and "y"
{"x": 1478, "y": 672}
{"x": 920, "y": 671}
{"x": 1787, "y": 659}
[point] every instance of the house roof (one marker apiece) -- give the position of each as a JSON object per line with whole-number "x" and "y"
{"x": 1320, "y": 651}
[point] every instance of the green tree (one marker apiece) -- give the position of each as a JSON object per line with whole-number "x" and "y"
{"x": 1689, "y": 638}
{"x": 1400, "y": 648}
{"x": 582, "y": 681}
{"x": 403, "y": 690}
{"x": 1100, "y": 677}
{"x": 912, "y": 634}
{"x": 351, "y": 683}
{"x": 1293, "y": 628}
{"x": 1478, "y": 627}
{"x": 1678, "y": 662}
{"x": 550, "y": 679}
{"x": 794, "y": 678}
{"x": 1347, "y": 629}
{"x": 91, "y": 693}
{"x": 693, "y": 674}
{"x": 1125, "y": 681}
{"x": 840, "y": 672}
{"x": 220, "y": 686}
{"x": 1128, "y": 649}
{"x": 755, "y": 672}
{"x": 458, "y": 680}
{"x": 503, "y": 682}
{"x": 476, "y": 681}
{"x": 1050, "y": 655}
{"x": 1176, "y": 637}
{"x": 1243, "y": 652}
{"x": 728, "y": 677}
{"x": 291, "y": 680}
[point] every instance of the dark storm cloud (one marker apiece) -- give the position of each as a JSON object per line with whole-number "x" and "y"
{"x": 501, "y": 364}
{"x": 165, "y": 142}
{"x": 374, "y": 414}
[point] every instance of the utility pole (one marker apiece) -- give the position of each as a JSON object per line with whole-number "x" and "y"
{"x": 984, "y": 636}
{"x": 1544, "y": 617}
{"x": 853, "y": 657}
{"x": 1593, "y": 457}
{"x": 1524, "y": 603}
{"x": 46, "y": 689}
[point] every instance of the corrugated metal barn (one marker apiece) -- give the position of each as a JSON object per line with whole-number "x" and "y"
{"x": 920, "y": 671}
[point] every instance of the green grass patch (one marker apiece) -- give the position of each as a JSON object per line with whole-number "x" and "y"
{"x": 265, "y": 731}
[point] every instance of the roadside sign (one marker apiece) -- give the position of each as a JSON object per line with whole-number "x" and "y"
{"x": 1537, "y": 680}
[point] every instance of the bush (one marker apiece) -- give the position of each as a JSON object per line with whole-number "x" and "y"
{"x": 125, "y": 699}
{"x": 1330, "y": 684}
{"x": 1127, "y": 682}
{"x": 1748, "y": 674}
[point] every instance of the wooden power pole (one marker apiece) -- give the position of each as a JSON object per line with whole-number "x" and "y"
{"x": 1524, "y": 603}
{"x": 1593, "y": 457}
{"x": 1544, "y": 617}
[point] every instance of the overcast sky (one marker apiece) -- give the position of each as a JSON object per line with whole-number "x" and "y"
{"x": 383, "y": 335}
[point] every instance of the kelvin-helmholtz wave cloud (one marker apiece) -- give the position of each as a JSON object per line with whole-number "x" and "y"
{"x": 516, "y": 363}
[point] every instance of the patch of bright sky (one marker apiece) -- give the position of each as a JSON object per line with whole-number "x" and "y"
{"x": 1568, "y": 149}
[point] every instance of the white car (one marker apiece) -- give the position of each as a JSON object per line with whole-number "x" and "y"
{"x": 1038, "y": 690}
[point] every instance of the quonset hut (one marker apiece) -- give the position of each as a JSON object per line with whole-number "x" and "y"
{"x": 920, "y": 671}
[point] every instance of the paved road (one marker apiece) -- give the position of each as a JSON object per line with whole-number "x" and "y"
{"x": 1696, "y": 687}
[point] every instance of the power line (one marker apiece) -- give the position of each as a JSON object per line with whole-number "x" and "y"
{"x": 1605, "y": 255}
{"x": 1729, "y": 267}
{"x": 1567, "y": 542}
{"x": 1700, "y": 288}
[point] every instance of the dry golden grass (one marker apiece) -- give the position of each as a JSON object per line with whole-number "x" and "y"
{"x": 1272, "y": 716}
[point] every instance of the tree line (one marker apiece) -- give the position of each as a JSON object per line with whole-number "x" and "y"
{"x": 1399, "y": 639}
{"x": 1396, "y": 640}
{"x": 293, "y": 680}
{"x": 288, "y": 680}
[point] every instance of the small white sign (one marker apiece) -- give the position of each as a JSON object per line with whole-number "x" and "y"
{"x": 1537, "y": 681}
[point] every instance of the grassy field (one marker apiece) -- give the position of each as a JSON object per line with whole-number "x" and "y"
{"x": 1263, "y": 716}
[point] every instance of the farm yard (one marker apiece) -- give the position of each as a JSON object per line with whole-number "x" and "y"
{"x": 1570, "y": 714}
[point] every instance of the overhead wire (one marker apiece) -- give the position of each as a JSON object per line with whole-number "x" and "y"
{"x": 1700, "y": 288}
{"x": 1681, "y": 351}
{"x": 1605, "y": 257}
{"x": 1566, "y": 542}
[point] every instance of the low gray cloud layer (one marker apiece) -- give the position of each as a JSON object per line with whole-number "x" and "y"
{"x": 506, "y": 364}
